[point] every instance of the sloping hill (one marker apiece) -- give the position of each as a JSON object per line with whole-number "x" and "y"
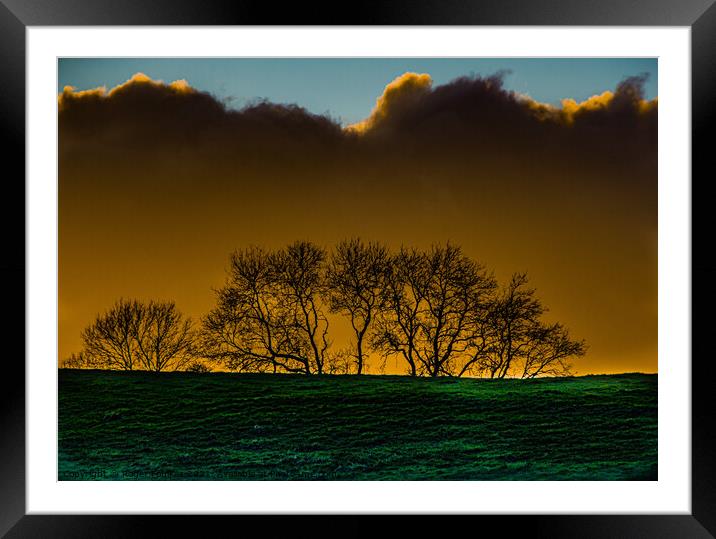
{"x": 222, "y": 426}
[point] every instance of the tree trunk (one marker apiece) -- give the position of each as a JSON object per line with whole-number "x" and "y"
{"x": 359, "y": 350}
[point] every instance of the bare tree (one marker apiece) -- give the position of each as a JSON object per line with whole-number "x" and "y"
{"x": 243, "y": 330}
{"x": 549, "y": 350}
{"x": 74, "y": 361}
{"x": 434, "y": 303}
{"x": 132, "y": 335}
{"x": 338, "y": 362}
{"x": 300, "y": 280}
{"x": 110, "y": 341}
{"x": 515, "y": 342}
{"x": 165, "y": 339}
{"x": 457, "y": 292}
{"x": 197, "y": 366}
{"x": 398, "y": 327}
{"x": 355, "y": 279}
{"x": 268, "y": 315}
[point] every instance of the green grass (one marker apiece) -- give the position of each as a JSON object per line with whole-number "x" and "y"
{"x": 222, "y": 426}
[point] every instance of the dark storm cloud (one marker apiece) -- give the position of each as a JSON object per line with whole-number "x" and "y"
{"x": 479, "y": 116}
{"x": 148, "y": 116}
{"x": 469, "y": 112}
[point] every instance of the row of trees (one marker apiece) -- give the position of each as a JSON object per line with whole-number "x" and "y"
{"x": 439, "y": 311}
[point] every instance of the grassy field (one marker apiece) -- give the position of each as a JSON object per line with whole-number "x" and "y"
{"x": 221, "y": 426}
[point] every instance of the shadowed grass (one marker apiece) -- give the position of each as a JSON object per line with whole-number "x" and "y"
{"x": 138, "y": 425}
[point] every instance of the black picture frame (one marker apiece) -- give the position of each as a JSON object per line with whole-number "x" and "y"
{"x": 16, "y": 15}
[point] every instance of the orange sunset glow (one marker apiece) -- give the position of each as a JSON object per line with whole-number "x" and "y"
{"x": 160, "y": 181}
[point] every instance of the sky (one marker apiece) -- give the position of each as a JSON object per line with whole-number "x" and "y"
{"x": 541, "y": 165}
{"x": 346, "y": 88}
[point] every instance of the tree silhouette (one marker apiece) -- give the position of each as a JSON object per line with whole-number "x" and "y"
{"x": 515, "y": 342}
{"x": 268, "y": 315}
{"x": 74, "y": 361}
{"x": 434, "y": 302}
{"x": 132, "y": 335}
{"x": 299, "y": 276}
{"x": 165, "y": 339}
{"x": 240, "y": 330}
{"x": 110, "y": 341}
{"x": 458, "y": 293}
{"x": 548, "y": 350}
{"x": 197, "y": 366}
{"x": 398, "y": 327}
{"x": 355, "y": 279}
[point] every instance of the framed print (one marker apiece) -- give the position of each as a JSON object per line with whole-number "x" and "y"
{"x": 441, "y": 266}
